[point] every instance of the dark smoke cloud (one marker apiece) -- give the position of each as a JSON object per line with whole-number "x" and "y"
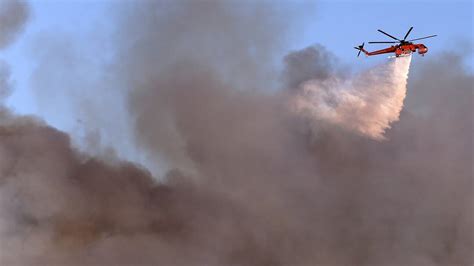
{"x": 13, "y": 15}
{"x": 250, "y": 183}
{"x": 314, "y": 62}
{"x": 185, "y": 51}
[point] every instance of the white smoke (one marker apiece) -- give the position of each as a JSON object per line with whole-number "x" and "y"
{"x": 367, "y": 103}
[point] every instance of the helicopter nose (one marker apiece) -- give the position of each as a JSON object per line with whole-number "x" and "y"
{"x": 423, "y": 50}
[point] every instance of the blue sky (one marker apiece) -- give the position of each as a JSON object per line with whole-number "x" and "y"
{"x": 341, "y": 24}
{"x": 338, "y": 25}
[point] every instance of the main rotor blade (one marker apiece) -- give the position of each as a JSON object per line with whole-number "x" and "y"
{"x": 431, "y": 36}
{"x": 383, "y": 42}
{"x": 406, "y": 35}
{"x": 388, "y": 35}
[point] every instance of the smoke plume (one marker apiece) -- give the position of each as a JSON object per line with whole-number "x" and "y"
{"x": 13, "y": 15}
{"x": 246, "y": 180}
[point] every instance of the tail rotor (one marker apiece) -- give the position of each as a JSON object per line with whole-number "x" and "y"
{"x": 360, "y": 48}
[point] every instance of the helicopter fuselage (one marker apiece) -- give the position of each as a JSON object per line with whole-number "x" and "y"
{"x": 404, "y": 47}
{"x": 401, "y": 49}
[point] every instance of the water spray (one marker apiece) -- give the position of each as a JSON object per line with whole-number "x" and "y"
{"x": 367, "y": 103}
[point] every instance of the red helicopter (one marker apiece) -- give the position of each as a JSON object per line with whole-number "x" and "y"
{"x": 404, "y": 47}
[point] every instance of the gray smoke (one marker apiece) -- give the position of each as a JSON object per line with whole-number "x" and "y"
{"x": 4, "y": 81}
{"x": 13, "y": 15}
{"x": 249, "y": 181}
{"x": 312, "y": 63}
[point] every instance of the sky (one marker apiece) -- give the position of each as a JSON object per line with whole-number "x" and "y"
{"x": 338, "y": 25}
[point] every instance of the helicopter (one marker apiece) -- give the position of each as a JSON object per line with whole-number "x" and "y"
{"x": 403, "y": 48}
